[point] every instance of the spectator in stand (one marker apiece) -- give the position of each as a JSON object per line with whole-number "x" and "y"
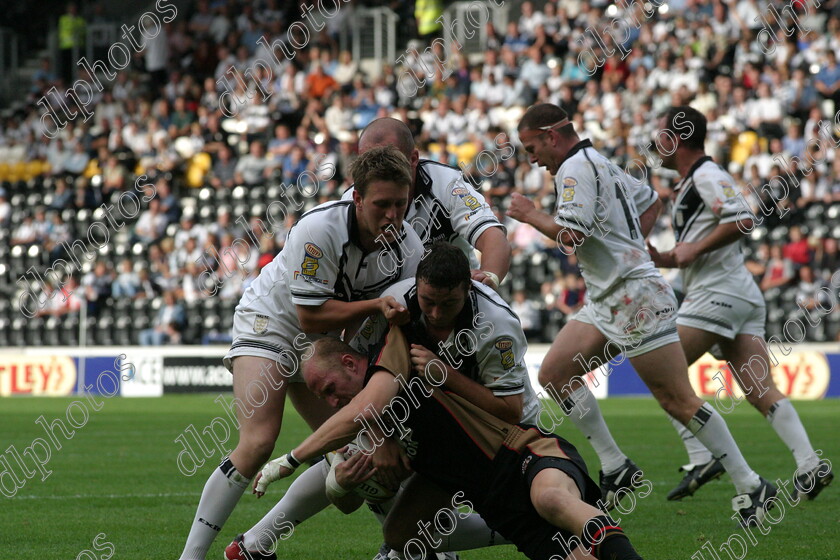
{"x": 151, "y": 224}
{"x": 571, "y": 298}
{"x": 253, "y": 167}
{"x": 5, "y": 209}
{"x": 168, "y": 324}
{"x": 223, "y": 173}
{"x": 797, "y": 250}
{"x": 97, "y": 287}
{"x": 810, "y": 293}
{"x": 528, "y": 313}
{"x": 127, "y": 282}
{"x": 780, "y": 270}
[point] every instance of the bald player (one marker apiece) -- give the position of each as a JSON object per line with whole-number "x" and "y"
{"x": 443, "y": 205}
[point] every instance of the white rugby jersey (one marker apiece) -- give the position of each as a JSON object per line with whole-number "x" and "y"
{"x": 707, "y": 197}
{"x": 446, "y": 207}
{"x": 487, "y": 343}
{"x": 596, "y": 197}
{"x": 323, "y": 260}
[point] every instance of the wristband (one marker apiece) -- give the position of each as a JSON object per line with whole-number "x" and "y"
{"x": 288, "y": 461}
{"x": 493, "y": 278}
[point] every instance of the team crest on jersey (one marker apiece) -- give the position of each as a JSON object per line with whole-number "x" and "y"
{"x": 727, "y": 188}
{"x": 469, "y": 200}
{"x": 569, "y": 184}
{"x": 505, "y": 347}
{"x": 261, "y": 324}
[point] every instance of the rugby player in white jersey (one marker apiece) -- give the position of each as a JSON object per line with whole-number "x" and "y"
{"x": 723, "y": 306}
{"x": 629, "y": 310}
{"x": 444, "y": 206}
{"x": 479, "y": 339}
{"x": 337, "y": 259}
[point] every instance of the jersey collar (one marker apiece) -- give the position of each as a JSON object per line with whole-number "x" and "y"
{"x": 583, "y": 144}
{"x": 692, "y": 170}
{"x": 422, "y": 181}
{"x": 353, "y": 226}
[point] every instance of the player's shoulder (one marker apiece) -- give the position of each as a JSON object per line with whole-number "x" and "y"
{"x": 437, "y": 178}
{"x": 491, "y": 303}
{"x": 402, "y": 290}
{"x": 329, "y": 220}
{"x": 710, "y": 174}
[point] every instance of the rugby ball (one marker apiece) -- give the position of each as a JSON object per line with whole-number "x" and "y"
{"x": 372, "y": 489}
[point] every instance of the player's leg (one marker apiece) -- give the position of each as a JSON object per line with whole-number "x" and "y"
{"x": 665, "y": 372}
{"x": 750, "y": 365}
{"x": 301, "y": 501}
{"x": 578, "y": 349}
{"x": 313, "y": 410}
{"x": 307, "y": 494}
{"x": 701, "y": 467}
{"x": 417, "y": 503}
{"x": 557, "y": 499}
{"x": 259, "y": 392}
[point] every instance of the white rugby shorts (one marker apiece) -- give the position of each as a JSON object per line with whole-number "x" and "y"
{"x": 638, "y": 316}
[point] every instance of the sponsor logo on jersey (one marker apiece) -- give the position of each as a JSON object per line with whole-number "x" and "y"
{"x": 569, "y": 184}
{"x": 727, "y": 188}
{"x": 505, "y": 347}
{"x": 310, "y": 264}
{"x": 261, "y": 324}
{"x": 469, "y": 200}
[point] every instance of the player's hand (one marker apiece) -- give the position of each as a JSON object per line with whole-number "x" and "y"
{"x": 355, "y": 470}
{"x": 271, "y": 472}
{"x": 685, "y": 253}
{"x": 665, "y": 260}
{"x": 390, "y": 463}
{"x": 484, "y": 278}
{"x": 395, "y": 313}
{"x": 420, "y": 358}
{"x": 520, "y": 207}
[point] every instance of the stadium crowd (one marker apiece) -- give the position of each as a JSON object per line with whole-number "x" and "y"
{"x": 207, "y": 175}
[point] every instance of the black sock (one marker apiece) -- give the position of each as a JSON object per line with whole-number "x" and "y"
{"x": 606, "y": 541}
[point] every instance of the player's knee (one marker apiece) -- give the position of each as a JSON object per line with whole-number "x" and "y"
{"x": 551, "y": 503}
{"x": 256, "y": 448}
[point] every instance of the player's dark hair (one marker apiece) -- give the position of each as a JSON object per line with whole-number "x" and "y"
{"x": 387, "y": 130}
{"x": 688, "y": 124}
{"x": 383, "y": 163}
{"x": 544, "y": 114}
{"x": 444, "y": 266}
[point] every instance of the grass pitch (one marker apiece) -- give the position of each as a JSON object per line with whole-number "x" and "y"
{"x": 115, "y": 489}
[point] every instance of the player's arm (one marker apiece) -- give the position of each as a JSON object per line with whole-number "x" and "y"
{"x": 339, "y": 430}
{"x": 720, "y": 196}
{"x": 334, "y": 314}
{"x": 495, "y": 256}
{"x": 522, "y": 209}
{"x": 508, "y": 407}
{"x": 648, "y": 218}
{"x": 724, "y": 234}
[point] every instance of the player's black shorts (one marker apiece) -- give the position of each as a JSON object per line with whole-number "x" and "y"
{"x": 506, "y": 505}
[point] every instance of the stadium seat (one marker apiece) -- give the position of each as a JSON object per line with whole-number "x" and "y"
{"x": 52, "y": 328}
{"x": 18, "y": 334}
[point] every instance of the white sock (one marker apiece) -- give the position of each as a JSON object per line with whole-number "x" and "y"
{"x": 697, "y": 452}
{"x": 470, "y": 532}
{"x": 305, "y": 497}
{"x": 220, "y": 495}
{"x": 785, "y": 421}
{"x": 710, "y": 428}
{"x": 582, "y": 403}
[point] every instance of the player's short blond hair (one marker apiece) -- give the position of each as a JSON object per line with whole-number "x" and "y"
{"x": 382, "y": 163}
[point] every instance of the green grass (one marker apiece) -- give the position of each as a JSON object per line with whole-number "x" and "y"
{"x": 118, "y": 476}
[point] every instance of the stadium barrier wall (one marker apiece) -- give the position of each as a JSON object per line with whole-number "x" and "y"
{"x": 809, "y": 371}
